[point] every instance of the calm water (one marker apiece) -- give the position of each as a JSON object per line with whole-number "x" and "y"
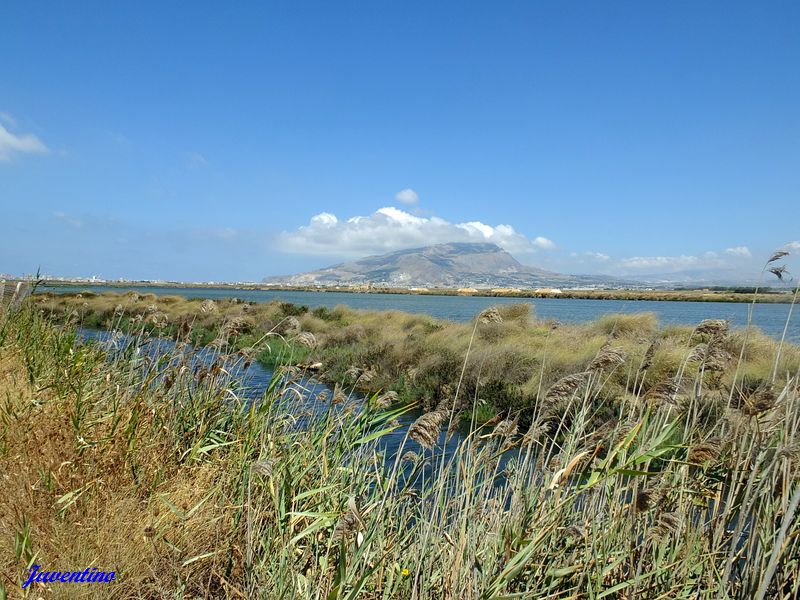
{"x": 770, "y": 318}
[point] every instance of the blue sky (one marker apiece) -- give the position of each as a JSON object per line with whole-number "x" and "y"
{"x": 231, "y": 141}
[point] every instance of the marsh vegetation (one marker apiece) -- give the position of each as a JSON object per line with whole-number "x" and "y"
{"x": 615, "y": 459}
{"x": 503, "y": 362}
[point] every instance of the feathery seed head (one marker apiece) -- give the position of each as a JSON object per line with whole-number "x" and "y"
{"x": 607, "y": 358}
{"x": 425, "y": 430}
{"x": 776, "y": 255}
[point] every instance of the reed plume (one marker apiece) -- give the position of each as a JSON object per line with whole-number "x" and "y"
{"x": 349, "y": 523}
{"x": 667, "y": 524}
{"x": 208, "y": 306}
{"x": 776, "y": 255}
{"x": 663, "y": 392}
{"x": 607, "y": 358}
{"x": 705, "y": 451}
{"x": 306, "y": 339}
{"x": 779, "y": 271}
{"x": 760, "y": 401}
{"x": 505, "y": 428}
{"x": 386, "y": 399}
{"x": 714, "y": 327}
{"x": 339, "y": 397}
{"x": 489, "y": 315}
{"x": 647, "y": 360}
{"x": 535, "y": 432}
{"x": 410, "y": 456}
{"x": 263, "y": 467}
{"x": 425, "y": 430}
{"x": 712, "y": 355}
{"x": 564, "y": 388}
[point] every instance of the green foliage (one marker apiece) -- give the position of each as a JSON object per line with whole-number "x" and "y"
{"x": 279, "y": 351}
{"x": 202, "y": 336}
{"x": 292, "y": 310}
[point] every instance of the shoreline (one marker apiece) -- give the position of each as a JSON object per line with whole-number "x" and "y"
{"x": 730, "y": 295}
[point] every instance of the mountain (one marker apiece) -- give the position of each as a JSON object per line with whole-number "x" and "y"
{"x": 442, "y": 265}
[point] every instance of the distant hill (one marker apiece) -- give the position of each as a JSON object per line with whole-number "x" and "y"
{"x": 442, "y": 265}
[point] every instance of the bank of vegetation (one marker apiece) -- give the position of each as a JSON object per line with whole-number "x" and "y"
{"x": 514, "y": 359}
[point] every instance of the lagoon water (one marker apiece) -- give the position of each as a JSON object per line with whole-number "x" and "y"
{"x": 770, "y": 318}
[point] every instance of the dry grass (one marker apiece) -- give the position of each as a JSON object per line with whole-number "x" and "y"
{"x": 89, "y": 490}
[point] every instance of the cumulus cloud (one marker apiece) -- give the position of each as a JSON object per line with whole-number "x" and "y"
{"x": 598, "y": 256}
{"x": 11, "y": 144}
{"x": 391, "y": 228}
{"x": 793, "y": 245}
{"x": 407, "y": 196}
{"x": 742, "y": 251}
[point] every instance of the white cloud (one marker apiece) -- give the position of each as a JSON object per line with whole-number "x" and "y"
{"x": 407, "y": 196}
{"x": 11, "y": 144}
{"x": 598, "y": 256}
{"x": 391, "y": 228}
{"x": 793, "y": 245}
{"x": 327, "y": 220}
{"x": 742, "y": 251}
